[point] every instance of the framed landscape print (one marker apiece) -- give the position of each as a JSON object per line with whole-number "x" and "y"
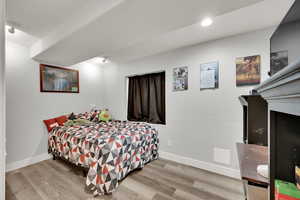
{"x": 279, "y": 60}
{"x": 209, "y": 75}
{"x": 58, "y": 79}
{"x": 180, "y": 79}
{"x": 248, "y": 70}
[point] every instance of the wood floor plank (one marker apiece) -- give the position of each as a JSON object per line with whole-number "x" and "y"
{"x": 217, "y": 180}
{"x": 41, "y": 184}
{"x": 140, "y": 189}
{"x": 73, "y": 174}
{"x": 8, "y": 193}
{"x": 183, "y": 195}
{"x": 61, "y": 183}
{"x": 154, "y": 184}
{"x": 171, "y": 175}
{"x": 21, "y": 188}
{"x": 201, "y": 194}
{"x": 209, "y": 182}
{"x": 159, "y": 163}
{"x": 158, "y": 180}
{"x": 162, "y": 197}
{"x": 219, "y": 191}
{"x": 124, "y": 193}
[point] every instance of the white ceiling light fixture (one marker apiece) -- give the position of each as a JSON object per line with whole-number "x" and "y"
{"x": 206, "y": 22}
{"x": 99, "y": 60}
{"x": 105, "y": 60}
{"x": 11, "y": 29}
{"x": 15, "y": 35}
{"x": 102, "y": 60}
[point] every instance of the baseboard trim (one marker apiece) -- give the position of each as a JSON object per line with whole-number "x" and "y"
{"x": 218, "y": 169}
{"x": 28, "y": 161}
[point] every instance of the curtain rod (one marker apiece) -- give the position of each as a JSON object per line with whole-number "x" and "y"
{"x": 154, "y": 72}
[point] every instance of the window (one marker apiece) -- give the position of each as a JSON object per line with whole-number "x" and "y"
{"x": 146, "y": 98}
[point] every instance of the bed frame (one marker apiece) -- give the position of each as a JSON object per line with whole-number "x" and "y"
{"x": 79, "y": 167}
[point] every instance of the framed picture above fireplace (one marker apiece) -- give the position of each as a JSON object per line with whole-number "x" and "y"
{"x": 58, "y": 79}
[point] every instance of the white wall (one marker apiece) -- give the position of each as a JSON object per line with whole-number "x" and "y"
{"x": 197, "y": 121}
{"x": 2, "y": 100}
{"x": 27, "y": 106}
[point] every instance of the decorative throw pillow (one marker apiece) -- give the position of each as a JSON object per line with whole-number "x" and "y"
{"x": 104, "y": 116}
{"x": 81, "y": 122}
{"x": 80, "y": 116}
{"x": 92, "y": 115}
{"x": 61, "y": 120}
{"x": 85, "y": 115}
{"x": 89, "y": 115}
{"x": 95, "y": 115}
{"x": 72, "y": 116}
{"x": 69, "y": 123}
{"x": 50, "y": 124}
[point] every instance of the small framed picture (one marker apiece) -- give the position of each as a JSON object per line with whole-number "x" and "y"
{"x": 209, "y": 75}
{"x": 279, "y": 60}
{"x": 180, "y": 79}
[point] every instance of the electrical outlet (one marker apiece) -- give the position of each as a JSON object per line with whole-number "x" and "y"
{"x": 170, "y": 143}
{"x": 222, "y": 156}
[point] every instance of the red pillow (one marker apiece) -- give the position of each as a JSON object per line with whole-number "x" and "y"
{"x": 50, "y": 123}
{"x": 61, "y": 120}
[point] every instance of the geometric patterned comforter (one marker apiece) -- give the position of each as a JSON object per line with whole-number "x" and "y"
{"x": 109, "y": 149}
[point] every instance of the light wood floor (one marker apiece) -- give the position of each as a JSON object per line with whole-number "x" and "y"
{"x": 159, "y": 180}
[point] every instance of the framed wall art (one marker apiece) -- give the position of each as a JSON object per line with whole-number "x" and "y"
{"x": 180, "y": 79}
{"x": 279, "y": 60}
{"x": 209, "y": 75}
{"x": 58, "y": 79}
{"x": 248, "y": 70}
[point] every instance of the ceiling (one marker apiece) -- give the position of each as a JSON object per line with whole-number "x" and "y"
{"x": 71, "y": 31}
{"x": 237, "y": 22}
{"x": 40, "y": 18}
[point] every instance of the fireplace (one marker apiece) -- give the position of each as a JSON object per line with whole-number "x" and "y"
{"x": 282, "y": 93}
{"x": 285, "y": 146}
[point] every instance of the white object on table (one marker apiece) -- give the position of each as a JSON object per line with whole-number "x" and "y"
{"x": 263, "y": 170}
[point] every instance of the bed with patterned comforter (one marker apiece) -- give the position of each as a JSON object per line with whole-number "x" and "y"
{"x": 109, "y": 149}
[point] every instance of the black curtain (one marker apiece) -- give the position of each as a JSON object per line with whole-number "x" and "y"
{"x": 146, "y": 98}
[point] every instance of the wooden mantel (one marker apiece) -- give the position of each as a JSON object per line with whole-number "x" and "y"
{"x": 282, "y": 90}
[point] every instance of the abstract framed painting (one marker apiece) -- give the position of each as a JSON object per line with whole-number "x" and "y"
{"x": 58, "y": 79}
{"x": 248, "y": 70}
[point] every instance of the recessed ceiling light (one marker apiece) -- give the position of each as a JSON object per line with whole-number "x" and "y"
{"x": 206, "y": 22}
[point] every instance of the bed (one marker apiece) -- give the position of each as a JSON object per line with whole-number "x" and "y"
{"x": 109, "y": 150}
